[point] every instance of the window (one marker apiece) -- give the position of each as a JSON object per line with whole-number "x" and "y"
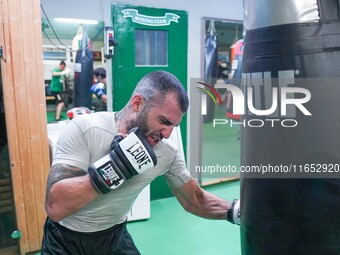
{"x": 54, "y": 53}
{"x": 151, "y": 47}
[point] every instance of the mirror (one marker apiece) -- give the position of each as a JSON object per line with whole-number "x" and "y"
{"x": 60, "y": 43}
{"x": 220, "y": 143}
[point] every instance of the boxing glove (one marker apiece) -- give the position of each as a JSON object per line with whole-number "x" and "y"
{"x": 98, "y": 89}
{"x": 234, "y": 213}
{"x": 63, "y": 73}
{"x": 128, "y": 157}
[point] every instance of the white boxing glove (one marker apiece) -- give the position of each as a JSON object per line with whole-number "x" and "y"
{"x": 234, "y": 213}
{"x": 129, "y": 156}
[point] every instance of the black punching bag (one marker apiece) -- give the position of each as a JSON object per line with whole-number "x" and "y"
{"x": 296, "y": 209}
{"x": 83, "y": 74}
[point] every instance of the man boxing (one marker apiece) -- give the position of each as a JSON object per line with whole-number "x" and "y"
{"x": 104, "y": 160}
{"x": 99, "y": 87}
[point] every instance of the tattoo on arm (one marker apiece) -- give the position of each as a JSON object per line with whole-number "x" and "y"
{"x": 62, "y": 171}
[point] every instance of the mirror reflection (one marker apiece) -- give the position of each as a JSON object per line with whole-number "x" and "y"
{"x": 220, "y": 143}
{"x": 64, "y": 46}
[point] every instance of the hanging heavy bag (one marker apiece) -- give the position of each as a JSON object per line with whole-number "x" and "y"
{"x": 299, "y": 47}
{"x": 83, "y": 75}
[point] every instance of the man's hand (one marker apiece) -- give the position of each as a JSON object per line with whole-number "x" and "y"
{"x": 129, "y": 156}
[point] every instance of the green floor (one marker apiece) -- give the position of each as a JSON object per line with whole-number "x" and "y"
{"x": 172, "y": 231}
{"x": 51, "y": 116}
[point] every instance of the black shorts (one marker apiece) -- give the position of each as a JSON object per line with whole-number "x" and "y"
{"x": 59, "y": 240}
{"x": 59, "y": 98}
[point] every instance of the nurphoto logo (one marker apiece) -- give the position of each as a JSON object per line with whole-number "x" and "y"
{"x": 258, "y": 97}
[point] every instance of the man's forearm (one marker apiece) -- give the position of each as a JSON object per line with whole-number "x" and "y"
{"x": 211, "y": 206}
{"x": 200, "y": 202}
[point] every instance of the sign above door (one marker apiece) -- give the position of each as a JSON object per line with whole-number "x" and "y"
{"x": 150, "y": 20}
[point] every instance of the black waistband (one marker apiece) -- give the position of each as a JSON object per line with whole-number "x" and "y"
{"x": 92, "y": 234}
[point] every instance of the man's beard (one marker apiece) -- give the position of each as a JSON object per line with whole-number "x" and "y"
{"x": 140, "y": 122}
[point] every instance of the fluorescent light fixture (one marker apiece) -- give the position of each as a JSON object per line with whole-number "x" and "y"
{"x": 77, "y": 21}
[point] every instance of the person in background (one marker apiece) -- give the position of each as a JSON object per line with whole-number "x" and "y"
{"x": 59, "y": 74}
{"x": 99, "y": 87}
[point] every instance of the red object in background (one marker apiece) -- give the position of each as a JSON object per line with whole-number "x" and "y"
{"x": 70, "y": 115}
{"x": 237, "y": 50}
{"x": 236, "y": 73}
{"x": 74, "y": 112}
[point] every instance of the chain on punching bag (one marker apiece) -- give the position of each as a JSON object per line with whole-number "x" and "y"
{"x": 298, "y": 47}
{"x": 83, "y": 74}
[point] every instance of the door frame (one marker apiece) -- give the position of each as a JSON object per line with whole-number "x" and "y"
{"x": 25, "y": 107}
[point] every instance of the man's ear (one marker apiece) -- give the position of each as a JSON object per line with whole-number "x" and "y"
{"x": 137, "y": 103}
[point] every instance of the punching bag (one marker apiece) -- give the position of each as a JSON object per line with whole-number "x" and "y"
{"x": 294, "y": 210}
{"x": 83, "y": 74}
{"x": 210, "y": 67}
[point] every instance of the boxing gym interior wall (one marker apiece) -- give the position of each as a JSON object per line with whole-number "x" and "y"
{"x": 24, "y": 84}
{"x": 198, "y": 18}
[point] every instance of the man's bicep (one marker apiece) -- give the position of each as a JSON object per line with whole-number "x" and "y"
{"x": 60, "y": 172}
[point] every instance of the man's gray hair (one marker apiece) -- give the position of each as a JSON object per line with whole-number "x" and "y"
{"x": 162, "y": 82}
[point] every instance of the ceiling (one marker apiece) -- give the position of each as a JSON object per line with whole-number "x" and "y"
{"x": 66, "y": 31}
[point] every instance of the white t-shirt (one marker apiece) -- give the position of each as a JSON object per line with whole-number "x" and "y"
{"x": 86, "y": 139}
